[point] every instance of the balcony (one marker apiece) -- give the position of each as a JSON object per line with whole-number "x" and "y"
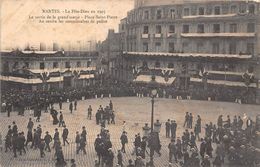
{"x": 213, "y": 35}
{"x": 145, "y": 36}
{"x": 209, "y": 16}
{"x": 171, "y": 35}
{"x": 158, "y": 35}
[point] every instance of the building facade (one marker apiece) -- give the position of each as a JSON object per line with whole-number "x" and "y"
{"x": 187, "y": 43}
{"x": 37, "y": 70}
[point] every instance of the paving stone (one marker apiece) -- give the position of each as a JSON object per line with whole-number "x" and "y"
{"x": 135, "y": 111}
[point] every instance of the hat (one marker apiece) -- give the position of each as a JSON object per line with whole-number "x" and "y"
{"x": 206, "y": 156}
{"x": 110, "y": 149}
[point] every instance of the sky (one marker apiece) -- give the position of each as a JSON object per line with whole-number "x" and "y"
{"x": 17, "y": 30}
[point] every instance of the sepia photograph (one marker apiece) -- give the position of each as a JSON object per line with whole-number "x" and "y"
{"x": 130, "y": 83}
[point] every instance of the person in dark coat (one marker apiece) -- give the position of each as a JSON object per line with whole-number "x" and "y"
{"x": 186, "y": 121}
{"x": 8, "y": 142}
{"x": 143, "y": 147}
{"x": 98, "y": 117}
{"x": 39, "y": 131}
{"x": 110, "y": 158}
{"x": 56, "y": 137}
{"x": 14, "y": 143}
{"x": 41, "y": 147}
{"x": 168, "y": 128}
{"x": 220, "y": 121}
{"x": 47, "y": 140}
{"x": 84, "y": 133}
{"x": 60, "y": 158}
{"x": 124, "y": 140}
{"x": 172, "y": 151}
{"x": 15, "y": 128}
{"x": 75, "y": 104}
{"x": 9, "y": 108}
{"x": 202, "y": 148}
{"x": 71, "y": 107}
{"x": 173, "y": 129}
{"x": 77, "y": 140}
{"x": 120, "y": 158}
{"x": 113, "y": 117}
{"x": 190, "y": 121}
{"x": 54, "y": 115}
{"x": 30, "y": 125}
{"x": 82, "y": 145}
{"x": 29, "y": 137}
{"x": 36, "y": 139}
{"x": 20, "y": 143}
{"x": 89, "y": 112}
{"x": 60, "y": 103}
{"x": 65, "y": 134}
{"x": 61, "y": 120}
{"x": 111, "y": 105}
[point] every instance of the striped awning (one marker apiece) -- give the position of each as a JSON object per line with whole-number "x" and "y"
{"x": 223, "y": 82}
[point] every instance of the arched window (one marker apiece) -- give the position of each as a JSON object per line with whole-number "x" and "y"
{"x": 157, "y": 64}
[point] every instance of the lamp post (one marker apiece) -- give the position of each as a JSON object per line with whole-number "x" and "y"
{"x": 153, "y": 94}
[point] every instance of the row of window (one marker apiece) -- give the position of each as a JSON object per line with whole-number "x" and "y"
{"x": 67, "y": 65}
{"x": 232, "y": 49}
{"x": 42, "y": 65}
{"x": 215, "y": 67}
{"x": 233, "y": 28}
{"x": 202, "y": 10}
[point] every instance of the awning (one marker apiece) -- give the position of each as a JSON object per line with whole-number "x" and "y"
{"x": 158, "y": 79}
{"x": 197, "y": 55}
{"x": 222, "y": 82}
{"x": 21, "y": 80}
{"x": 62, "y": 70}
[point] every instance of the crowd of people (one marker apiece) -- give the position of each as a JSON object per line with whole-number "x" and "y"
{"x": 233, "y": 142}
{"x": 21, "y": 99}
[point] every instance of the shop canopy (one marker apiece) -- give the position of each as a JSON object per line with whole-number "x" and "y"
{"x": 187, "y": 55}
{"x": 223, "y": 82}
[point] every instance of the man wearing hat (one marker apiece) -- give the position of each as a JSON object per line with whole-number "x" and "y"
{"x": 65, "y": 134}
{"x": 47, "y": 140}
{"x": 124, "y": 140}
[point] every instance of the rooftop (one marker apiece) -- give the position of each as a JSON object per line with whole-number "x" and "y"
{"x": 143, "y": 3}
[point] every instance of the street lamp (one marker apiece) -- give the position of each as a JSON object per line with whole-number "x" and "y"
{"x": 153, "y": 94}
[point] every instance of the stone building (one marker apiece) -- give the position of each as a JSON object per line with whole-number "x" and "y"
{"x": 191, "y": 43}
{"x": 47, "y": 69}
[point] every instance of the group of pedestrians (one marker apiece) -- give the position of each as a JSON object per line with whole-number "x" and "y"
{"x": 233, "y": 143}
{"x": 105, "y": 115}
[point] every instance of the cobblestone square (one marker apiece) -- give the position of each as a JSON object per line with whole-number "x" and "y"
{"x": 135, "y": 111}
